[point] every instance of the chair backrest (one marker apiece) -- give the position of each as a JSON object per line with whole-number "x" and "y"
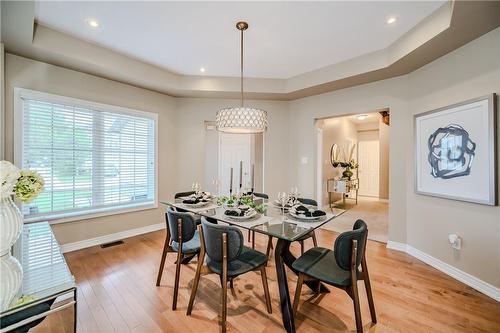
{"x": 188, "y": 225}
{"x": 183, "y": 194}
{"x": 343, "y": 245}
{"x": 261, "y": 195}
{"x": 306, "y": 201}
{"x": 212, "y": 235}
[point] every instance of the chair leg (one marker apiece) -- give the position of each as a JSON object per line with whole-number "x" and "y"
{"x": 177, "y": 265}
{"x": 201, "y": 259}
{"x": 297, "y": 293}
{"x": 176, "y": 283}
{"x": 354, "y": 286}
{"x": 224, "y": 282}
{"x": 263, "y": 275}
{"x": 301, "y": 247}
{"x": 269, "y": 246}
{"x": 249, "y": 235}
{"x": 357, "y": 309}
{"x": 162, "y": 262}
{"x": 253, "y": 239}
{"x": 368, "y": 288}
{"x": 195, "y": 286}
{"x": 315, "y": 242}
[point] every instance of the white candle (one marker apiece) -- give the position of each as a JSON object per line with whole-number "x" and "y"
{"x": 231, "y": 182}
{"x": 253, "y": 176}
{"x": 241, "y": 173}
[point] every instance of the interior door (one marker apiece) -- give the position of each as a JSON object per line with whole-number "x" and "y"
{"x": 234, "y": 148}
{"x": 368, "y": 172}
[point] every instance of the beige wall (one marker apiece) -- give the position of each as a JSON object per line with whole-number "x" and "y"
{"x": 2, "y": 100}
{"x": 421, "y": 221}
{"x": 290, "y": 145}
{"x": 384, "y": 142}
{"x": 182, "y": 138}
{"x": 191, "y": 135}
{"x": 29, "y": 74}
{"x": 393, "y": 94}
{"x": 334, "y": 130}
{"x": 469, "y": 72}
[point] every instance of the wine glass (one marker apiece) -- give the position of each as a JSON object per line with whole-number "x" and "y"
{"x": 196, "y": 187}
{"x": 216, "y": 184}
{"x": 282, "y": 200}
{"x": 294, "y": 194}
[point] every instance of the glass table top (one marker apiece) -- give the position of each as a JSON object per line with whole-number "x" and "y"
{"x": 45, "y": 272}
{"x": 273, "y": 222}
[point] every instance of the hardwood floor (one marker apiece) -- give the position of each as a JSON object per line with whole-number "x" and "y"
{"x": 117, "y": 293}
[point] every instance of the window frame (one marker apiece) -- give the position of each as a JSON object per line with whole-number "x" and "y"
{"x": 63, "y": 217}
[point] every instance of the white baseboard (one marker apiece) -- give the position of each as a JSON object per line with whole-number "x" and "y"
{"x": 470, "y": 280}
{"x": 396, "y": 246}
{"x": 69, "y": 247}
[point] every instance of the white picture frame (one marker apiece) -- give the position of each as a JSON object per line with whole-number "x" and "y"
{"x": 455, "y": 151}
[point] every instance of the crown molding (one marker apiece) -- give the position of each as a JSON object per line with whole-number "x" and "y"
{"x": 451, "y": 26}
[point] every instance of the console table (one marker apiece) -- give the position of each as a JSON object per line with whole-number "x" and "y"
{"x": 342, "y": 186}
{"x": 46, "y": 277}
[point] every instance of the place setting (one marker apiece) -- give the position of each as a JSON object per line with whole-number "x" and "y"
{"x": 198, "y": 199}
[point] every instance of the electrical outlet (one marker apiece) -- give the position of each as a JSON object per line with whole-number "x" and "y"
{"x": 455, "y": 241}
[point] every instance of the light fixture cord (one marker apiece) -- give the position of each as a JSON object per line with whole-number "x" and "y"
{"x": 241, "y": 68}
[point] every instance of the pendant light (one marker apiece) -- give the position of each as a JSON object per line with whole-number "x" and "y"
{"x": 241, "y": 119}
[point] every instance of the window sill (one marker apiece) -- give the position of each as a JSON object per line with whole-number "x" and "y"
{"x": 78, "y": 216}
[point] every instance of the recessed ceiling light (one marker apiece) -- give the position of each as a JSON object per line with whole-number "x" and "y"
{"x": 92, "y": 23}
{"x": 362, "y": 116}
{"x": 391, "y": 20}
{"x": 202, "y": 69}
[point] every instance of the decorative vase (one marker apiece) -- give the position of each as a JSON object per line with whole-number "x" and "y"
{"x": 11, "y": 224}
{"x": 347, "y": 173}
{"x": 10, "y": 283}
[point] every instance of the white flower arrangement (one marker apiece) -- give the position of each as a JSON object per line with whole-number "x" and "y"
{"x": 25, "y": 185}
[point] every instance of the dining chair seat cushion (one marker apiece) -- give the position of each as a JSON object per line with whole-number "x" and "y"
{"x": 319, "y": 263}
{"x": 191, "y": 246}
{"x": 247, "y": 261}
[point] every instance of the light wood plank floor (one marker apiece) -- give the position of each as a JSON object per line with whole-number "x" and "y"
{"x": 117, "y": 293}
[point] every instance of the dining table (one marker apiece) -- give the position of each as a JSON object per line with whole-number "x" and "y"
{"x": 277, "y": 223}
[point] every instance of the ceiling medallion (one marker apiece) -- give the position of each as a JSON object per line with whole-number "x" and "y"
{"x": 241, "y": 119}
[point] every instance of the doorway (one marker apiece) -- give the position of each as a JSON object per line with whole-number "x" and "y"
{"x": 364, "y": 140}
{"x": 243, "y": 153}
{"x": 368, "y": 169}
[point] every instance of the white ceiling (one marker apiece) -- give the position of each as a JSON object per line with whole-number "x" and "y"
{"x": 284, "y": 39}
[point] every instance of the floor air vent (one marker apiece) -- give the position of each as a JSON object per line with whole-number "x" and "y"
{"x": 111, "y": 244}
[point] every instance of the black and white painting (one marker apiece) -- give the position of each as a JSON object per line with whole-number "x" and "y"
{"x": 455, "y": 151}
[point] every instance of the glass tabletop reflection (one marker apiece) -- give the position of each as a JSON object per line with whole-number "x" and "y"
{"x": 274, "y": 222}
{"x": 45, "y": 272}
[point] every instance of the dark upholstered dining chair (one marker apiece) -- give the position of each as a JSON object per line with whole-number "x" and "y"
{"x": 228, "y": 258}
{"x": 183, "y": 194}
{"x": 183, "y": 239}
{"x": 177, "y": 195}
{"x": 339, "y": 268}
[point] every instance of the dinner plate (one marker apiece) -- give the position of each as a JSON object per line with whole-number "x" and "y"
{"x": 244, "y": 217}
{"x": 303, "y": 217}
{"x": 197, "y": 205}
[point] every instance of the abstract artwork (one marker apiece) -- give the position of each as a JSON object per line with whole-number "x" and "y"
{"x": 455, "y": 151}
{"x": 451, "y": 152}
